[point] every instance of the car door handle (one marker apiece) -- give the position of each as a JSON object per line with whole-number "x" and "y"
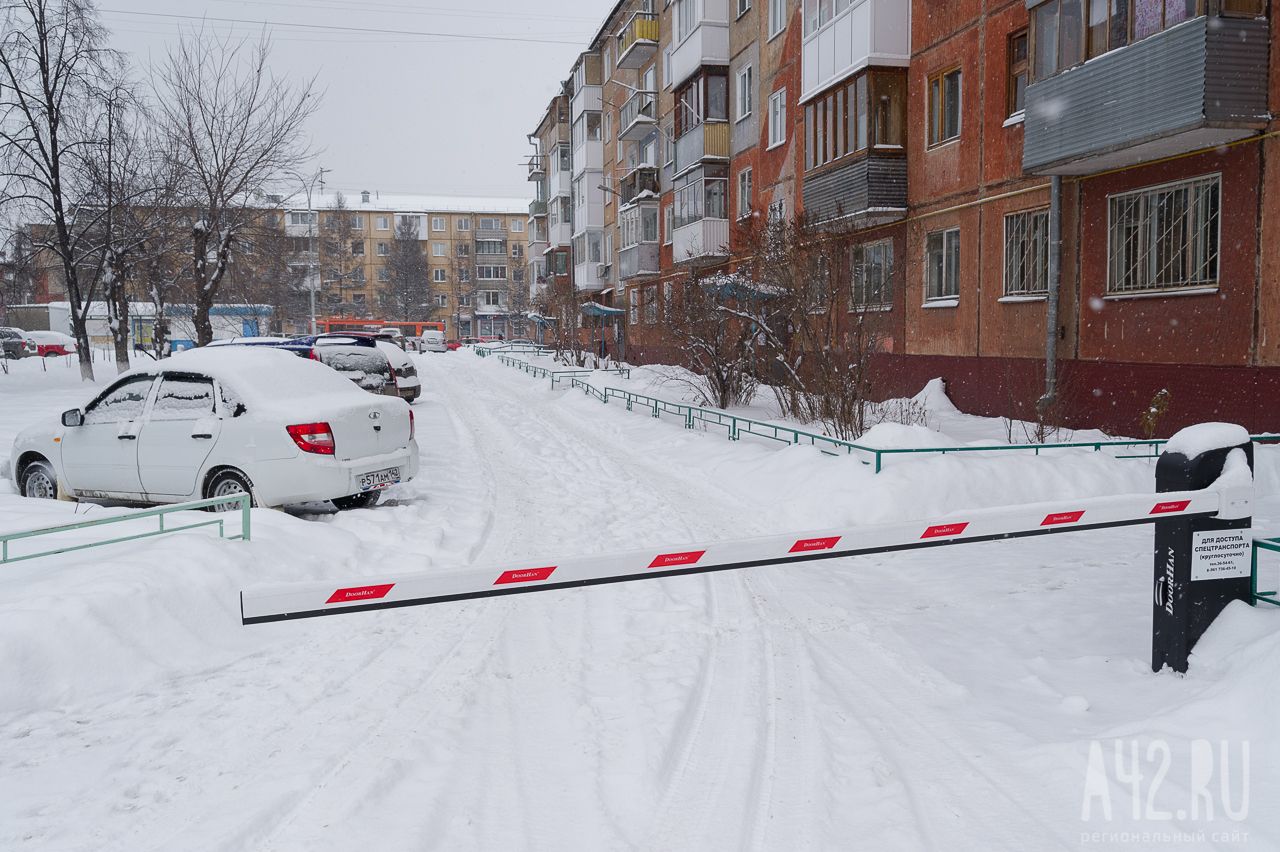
{"x": 127, "y": 437}
{"x": 203, "y": 435}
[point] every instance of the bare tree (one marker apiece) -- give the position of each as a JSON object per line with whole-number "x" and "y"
{"x": 238, "y": 128}
{"x": 406, "y": 294}
{"x": 338, "y": 261}
{"x": 54, "y": 71}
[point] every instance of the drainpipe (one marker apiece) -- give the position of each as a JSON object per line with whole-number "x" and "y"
{"x": 1054, "y": 285}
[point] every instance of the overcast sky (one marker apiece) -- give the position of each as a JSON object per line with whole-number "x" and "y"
{"x": 402, "y": 112}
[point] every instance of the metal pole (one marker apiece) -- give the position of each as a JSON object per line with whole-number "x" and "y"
{"x": 1054, "y": 273}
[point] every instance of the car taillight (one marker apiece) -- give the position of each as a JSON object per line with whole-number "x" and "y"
{"x": 411, "y": 426}
{"x": 313, "y": 438}
{"x": 313, "y": 355}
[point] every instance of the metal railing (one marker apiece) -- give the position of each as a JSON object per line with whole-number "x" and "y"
{"x": 1271, "y": 545}
{"x": 160, "y": 513}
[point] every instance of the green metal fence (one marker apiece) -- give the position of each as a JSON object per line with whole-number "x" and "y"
{"x": 1260, "y": 545}
{"x": 736, "y": 426}
{"x": 159, "y": 514}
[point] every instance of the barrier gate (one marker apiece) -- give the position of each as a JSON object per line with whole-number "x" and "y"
{"x": 1198, "y": 514}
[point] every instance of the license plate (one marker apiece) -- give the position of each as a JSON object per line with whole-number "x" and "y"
{"x": 379, "y": 479}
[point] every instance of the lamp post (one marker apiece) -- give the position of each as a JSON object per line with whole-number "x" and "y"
{"x": 313, "y": 266}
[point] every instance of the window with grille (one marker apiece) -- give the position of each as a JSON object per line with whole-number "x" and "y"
{"x": 651, "y": 304}
{"x": 633, "y": 305}
{"x": 1164, "y": 237}
{"x": 1026, "y": 253}
{"x": 872, "y": 266}
{"x": 942, "y": 264}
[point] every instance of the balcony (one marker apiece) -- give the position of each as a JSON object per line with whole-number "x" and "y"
{"x": 491, "y": 310}
{"x": 486, "y": 254}
{"x": 638, "y": 181}
{"x": 537, "y": 167}
{"x": 537, "y": 209}
{"x": 638, "y": 41}
{"x": 1200, "y": 84}
{"x": 490, "y": 234}
{"x": 867, "y": 190}
{"x": 706, "y": 44}
{"x": 866, "y": 32}
{"x": 560, "y": 234}
{"x": 638, "y": 116}
{"x": 707, "y": 141}
{"x": 640, "y": 259}
{"x": 703, "y": 241}
{"x": 586, "y": 276}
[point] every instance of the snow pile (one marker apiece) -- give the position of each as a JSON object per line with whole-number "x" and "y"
{"x": 1203, "y": 437}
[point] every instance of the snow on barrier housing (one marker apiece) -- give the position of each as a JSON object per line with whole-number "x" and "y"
{"x": 1220, "y": 499}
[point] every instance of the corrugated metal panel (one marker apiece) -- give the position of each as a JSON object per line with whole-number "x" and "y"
{"x": 1235, "y": 84}
{"x": 865, "y": 183}
{"x": 1205, "y": 71}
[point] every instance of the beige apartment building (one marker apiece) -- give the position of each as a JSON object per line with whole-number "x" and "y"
{"x": 475, "y": 253}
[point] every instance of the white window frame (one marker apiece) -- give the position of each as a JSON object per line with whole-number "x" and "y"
{"x": 744, "y": 6}
{"x": 464, "y": 224}
{"x": 439, "y": 250}
{"x": 1147, "y": 249}
{"x": 1015, "y": 227}
{"x": 744, "y": 95}
{"x": 382, "y": 223}
{"x": 745, "y": 190}
{"x": 948, "y": 236}
{"x": 777, "y": 17}
{"x": 858, "y": 267}
{"x": 778, "y": 118}
{"x": 440, "y": 275}
{"x": 383, "y": 249}
{"x": 438, "y": 224}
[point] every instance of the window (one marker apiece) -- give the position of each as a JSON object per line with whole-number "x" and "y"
{"x": 440, "y": 276}
{"x": 303, "y": 218}
{"x": 778, "y": 118}
{"x": 1152, "y": 16}
{"x": 633, "y": 305}
{"x": 464, "y": 300}
{"x": 686, "y": 16}
{"x": 183, "y": 397}
{"x": 384, "y": 249}
{"x": 777, "y": 211}
{"x": 442, "y": 300}
{"x": 357, "y": 299}
{"x": 650, "y": 304}
{"x": 438, "y": 250}
{"x": 517, "y": 249}
{"x": 491, "y": 224}
{"x": 1059, "y": 33}
{"x": 357, "y": 248}
{"x": 464, "y": 224}
{"x": 837, "y": 123}
{"x": 944, "y": 107}
{"x": 1026, "y": 253}
{"x": 517, "y": 226}
{"x": 1165, "y": 237}
{"x": 702, "y": 194}
{"x": 491, "y": 273}
{"x": 744, "y": 6}
{"x": 704, "y": 98}
{"x": 437, "y": 223}
{"x": 462, "y": 250}
{"x": 668, "y": 223}
{"x": 872, "y": 267}
{"x": 490, "y": 247}
{"x": 120, "y": 403}
{"x": 517, "y": 275}
{"x": 777, "y": 17}
{"x": 357, "y": 275}
{"x": 744, "y": 88}
{"x": 383, "y": 223}
{"x": 491, "y": 298}
{"x": 464, "y": 275}
{"x": 357, "y": 222}
{"x": 384, "y": 274}
{"x": 744, "y": 193}
{"x": 1018, "y": 69}
{"x": 942, "y": 265}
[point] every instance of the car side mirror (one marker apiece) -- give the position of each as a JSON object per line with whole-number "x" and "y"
{"x": 74, "y": 417}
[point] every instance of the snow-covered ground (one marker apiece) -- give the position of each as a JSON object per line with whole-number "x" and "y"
{"x": 968, "y": 698}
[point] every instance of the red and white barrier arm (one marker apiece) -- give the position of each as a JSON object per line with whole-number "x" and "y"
{"x": 307, "y": 600}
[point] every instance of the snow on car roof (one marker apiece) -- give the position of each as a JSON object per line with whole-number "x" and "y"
{"x": 264, "y": 376}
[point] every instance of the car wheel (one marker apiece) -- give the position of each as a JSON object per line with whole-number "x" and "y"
{"x": 365, "y": 500}
{"x": 228, "y": 483}
{"x": 39, "y": 481}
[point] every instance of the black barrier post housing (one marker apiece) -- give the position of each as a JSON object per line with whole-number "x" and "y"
{"x": 1182, "y": 608}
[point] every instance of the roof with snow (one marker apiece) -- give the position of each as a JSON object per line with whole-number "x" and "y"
{"x": 406, "y": 203}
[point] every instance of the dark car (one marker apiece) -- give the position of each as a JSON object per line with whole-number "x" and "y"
{"x": 356, "y": 357}
{"x": 15, "y": 344}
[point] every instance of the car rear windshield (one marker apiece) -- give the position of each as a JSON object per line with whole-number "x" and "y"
{"x": 369, "y": 369}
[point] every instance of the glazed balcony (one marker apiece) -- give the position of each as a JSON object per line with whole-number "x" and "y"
{"x": 1200, "y": 84}
{"x": 707, "y": 43}
{"x": 702, "y": 241}
{"x": 537, "y": 209}
{"x": 637, "y": 260}
{"x": 638, "y": 181}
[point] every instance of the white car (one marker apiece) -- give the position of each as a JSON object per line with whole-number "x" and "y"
{"x": 205, "y": 424}
{"x": 407, "y": 381}
{"x": 433, "y": 341}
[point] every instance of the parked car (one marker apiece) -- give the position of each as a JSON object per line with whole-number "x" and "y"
{"x": 15, "y": 344}
{"x": 452, "y": 345}
{"x": 433, "y": 341}
{"x": 50, "y": 343}
{"x": 208, "y": 423}
{"x": 405, "y": 379}
{"x": 356, "y": 356}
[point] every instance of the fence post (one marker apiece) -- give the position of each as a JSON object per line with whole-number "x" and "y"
{"x": 1201, "y": 564}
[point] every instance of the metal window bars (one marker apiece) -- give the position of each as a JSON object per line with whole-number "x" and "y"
{"x": 1026, "y": 253}
{"x": 1164, "y": 238}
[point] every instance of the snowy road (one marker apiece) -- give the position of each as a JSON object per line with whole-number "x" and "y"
{"x": 942, "y": 700}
